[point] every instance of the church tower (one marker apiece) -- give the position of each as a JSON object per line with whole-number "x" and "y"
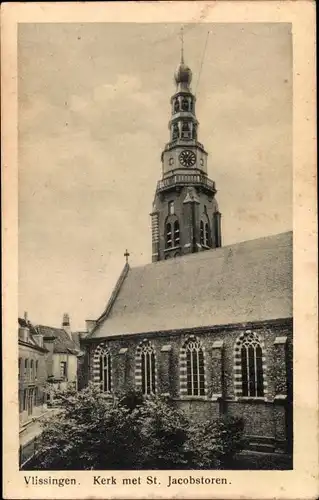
{"x": 185, "y": 216}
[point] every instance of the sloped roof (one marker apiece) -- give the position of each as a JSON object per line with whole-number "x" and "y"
{"x": 32, "y": 331}
{"x": 240, "y": 283}
{"x": 77, "y": 337}
{"x": 62, "y": 342}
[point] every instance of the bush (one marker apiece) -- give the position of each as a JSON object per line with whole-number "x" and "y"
{"x": 92, "y": 431}
{"x": 214, "y": 443}
{"x": 164, "y": 432}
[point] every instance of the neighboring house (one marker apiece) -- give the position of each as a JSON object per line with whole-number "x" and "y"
{"x": 32, "y": 371}
{"x": 63, "y": 353}
{"x": 82, "y": 370}
{"x": 210, "y": 326}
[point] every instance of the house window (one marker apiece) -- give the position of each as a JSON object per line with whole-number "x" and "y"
{"x": 176, "y": 233}
{"x": 25, "y": 399}
{"x": 195, "y": 368}
{"x": 36, "y": 368}
{"x": 20, "y": 365}
{"x": 36, "y": 396}
{"x": 168, "y": 235}
{"x": 63, "y": 369}
{"x": 30, "y": 398}
{"x": 105, "y": 371}
{"x": 249, "y": 370}
{"x": 31, "y": 369}
{"x": 148, "y": 369}
{"x": 26, "y": 366}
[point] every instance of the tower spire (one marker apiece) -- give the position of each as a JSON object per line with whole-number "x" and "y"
{"x": 182, "y": 44}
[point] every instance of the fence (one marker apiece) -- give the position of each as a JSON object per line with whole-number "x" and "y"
{"x": 28, "y": 451}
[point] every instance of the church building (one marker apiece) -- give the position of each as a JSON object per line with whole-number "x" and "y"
{"x": 209, "y": 326}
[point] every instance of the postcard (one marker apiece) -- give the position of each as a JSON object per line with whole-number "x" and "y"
{"x": 159, "y": 250}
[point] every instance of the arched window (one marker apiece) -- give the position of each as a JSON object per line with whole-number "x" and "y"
{"x": 105, "y": 371}
{"x": 176, "y": 233}
{"x": 186, "y": 130}
{"x": 193, "y": 374}
{"x": 249, "y": 366}
{"x": 202, "y": 232}
{"x": 175, "y": 131}
{"x": 145, "y": 370}
{"x": 206, "y": 234}
{"x": 168, "y": 235}
{"x": 217, "y": 229}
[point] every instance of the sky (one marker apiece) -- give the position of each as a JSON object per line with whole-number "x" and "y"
{"x": 94, "y": 106}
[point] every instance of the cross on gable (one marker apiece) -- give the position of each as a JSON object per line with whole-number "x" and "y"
{"x": 126, "y": 255}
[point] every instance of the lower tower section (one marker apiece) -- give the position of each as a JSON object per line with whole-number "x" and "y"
{"x": 184, "y": 220}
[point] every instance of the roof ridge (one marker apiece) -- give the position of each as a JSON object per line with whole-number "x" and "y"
{"x": 113, "y": 296}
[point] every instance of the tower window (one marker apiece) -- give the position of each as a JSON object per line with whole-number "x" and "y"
{"x": 217, "y": 232}
{"x": 186, "y": 130}
{"x": 195, "y": 368}
{"x": 202, "y": 232}
{"x": 171, "y": 208}
{"x": 206, "y": 235}
{"x": 175, "y": 131}
{"x": 105, "y": 371}
{"x": 168, "y": 235}
{"x": 176, "y": 106}
{"x": 176, "y": 233}
{"x": 185, "y": 104}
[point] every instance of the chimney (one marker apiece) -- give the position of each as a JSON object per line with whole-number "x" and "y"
{"x": 24, "y": 333}
{"x": 66, "y": 324}
{"x": 25, "y": 316}
{"x": 90, "y": 324}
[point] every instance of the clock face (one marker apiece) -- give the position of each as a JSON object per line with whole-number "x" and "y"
{"x": 187, "y": 158}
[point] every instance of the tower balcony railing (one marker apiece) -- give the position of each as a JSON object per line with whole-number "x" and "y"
{"x": 185, "y": 180}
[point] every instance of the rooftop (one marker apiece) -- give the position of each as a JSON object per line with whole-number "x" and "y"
{"x": 245, "y": 282}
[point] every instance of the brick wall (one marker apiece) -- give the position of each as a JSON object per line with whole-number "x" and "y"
{"x": 267, "y": 416}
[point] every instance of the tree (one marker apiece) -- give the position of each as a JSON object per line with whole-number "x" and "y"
{"x": 93, "y": 431}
